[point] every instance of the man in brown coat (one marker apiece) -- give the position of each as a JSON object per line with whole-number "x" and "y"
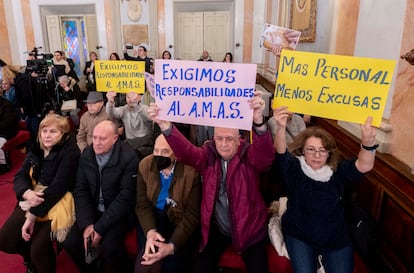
{"x": 168, "y": 210}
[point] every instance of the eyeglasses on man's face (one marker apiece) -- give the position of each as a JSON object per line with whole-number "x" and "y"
{"x": 314, "y": 151}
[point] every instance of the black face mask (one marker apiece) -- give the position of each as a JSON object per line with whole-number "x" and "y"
{"x": 162, "y": 162}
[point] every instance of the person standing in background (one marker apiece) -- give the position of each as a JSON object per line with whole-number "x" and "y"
{"x": 141, "y": 55}
{"x": 114, "y": 57}
{"x": 205, "y": 57}
{"x": 89, "y": 71}
{"x": 166, "y": 55}
{"x": 228, "y": 58}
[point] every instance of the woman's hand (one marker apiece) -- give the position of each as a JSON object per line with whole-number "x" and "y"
{"x": 281, "y": 115}
{"x": 366, "y": 158}
{"x": 368, "y": 133}
{"x": 33, "y": 198}
{"x": 27, "y": 228}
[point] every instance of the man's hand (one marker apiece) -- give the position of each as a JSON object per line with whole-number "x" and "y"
{"x": 153, "y": 111}
{"x": 94, "y": 236}
{"x": 258, "y": 105}
{"x": 152, "y": 237}
{"x": 163, "y": 250}
{"x": 111, "y": 97}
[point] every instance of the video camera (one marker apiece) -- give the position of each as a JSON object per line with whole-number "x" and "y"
{"x": 41, "y": 66}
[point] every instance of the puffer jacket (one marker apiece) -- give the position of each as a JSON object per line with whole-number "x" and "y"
{"x": 248, "y": 211}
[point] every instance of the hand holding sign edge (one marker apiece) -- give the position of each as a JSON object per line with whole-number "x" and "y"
{"x": 153, "y": 111}
{"x": 258, "y": 105}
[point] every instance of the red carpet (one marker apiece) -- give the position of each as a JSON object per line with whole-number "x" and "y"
{"x": 10, "y": 263}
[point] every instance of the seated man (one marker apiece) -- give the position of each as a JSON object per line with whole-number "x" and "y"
{"x": 104, "y": 196}
{"x": 168, "y": 210}
{"x": 96, "y": 113}
{"x": 232, "y": 208}
{"x": 139, "y": 128}
{"x": 205, "y": 57}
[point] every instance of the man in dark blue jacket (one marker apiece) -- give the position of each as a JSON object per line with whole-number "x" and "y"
{"x": 104, "y": 196}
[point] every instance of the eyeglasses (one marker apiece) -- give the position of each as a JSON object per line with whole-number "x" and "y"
{"x": 225, "y": 139}
{"x": 313, "y": 151}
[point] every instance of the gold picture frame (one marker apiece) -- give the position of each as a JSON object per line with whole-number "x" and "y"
{"x": 303, "y": 19}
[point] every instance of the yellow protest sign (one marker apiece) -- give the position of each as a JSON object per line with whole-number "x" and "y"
{"x": 120, "y": 76}
{"x": 337, "y": 87}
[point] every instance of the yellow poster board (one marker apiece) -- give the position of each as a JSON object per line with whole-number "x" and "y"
{"x": 332, "y": 86}
{"x": 120, "y": 76}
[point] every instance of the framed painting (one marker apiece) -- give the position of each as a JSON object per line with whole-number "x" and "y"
{"x": 303, "y": 19}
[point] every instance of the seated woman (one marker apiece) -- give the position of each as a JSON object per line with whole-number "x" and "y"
{"x": 42, "y": 187}
{"x": 68, "y": 90}
{"x": 314, "y": 222}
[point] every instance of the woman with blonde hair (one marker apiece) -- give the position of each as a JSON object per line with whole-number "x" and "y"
{"x": 45, "y": 210}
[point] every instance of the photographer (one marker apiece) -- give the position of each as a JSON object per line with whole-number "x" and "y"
{"x": 140, "y": 55}
{"x": 34, "y": 93}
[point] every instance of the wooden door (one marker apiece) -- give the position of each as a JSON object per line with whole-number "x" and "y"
{"x": 216, "y": 34}
{"x": 189, "y": 35}
{"x": 198, "y": 31}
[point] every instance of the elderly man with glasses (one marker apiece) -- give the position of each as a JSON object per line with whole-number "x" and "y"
{"x": 232, "y": 208}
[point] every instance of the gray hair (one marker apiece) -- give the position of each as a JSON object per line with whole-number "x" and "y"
{"x": 64, "y": 78}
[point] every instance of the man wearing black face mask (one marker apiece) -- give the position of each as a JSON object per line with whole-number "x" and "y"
{"x": 168, "y": 210}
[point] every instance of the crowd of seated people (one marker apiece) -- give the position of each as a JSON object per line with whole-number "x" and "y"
{"x": 188, "y": 195}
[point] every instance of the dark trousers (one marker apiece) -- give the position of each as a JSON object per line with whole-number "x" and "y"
{"x": 112, "y": 249}
{"x": 255, "y": 257}
{"x": 180, "y": 262}
{"x": 39, "y": 250}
